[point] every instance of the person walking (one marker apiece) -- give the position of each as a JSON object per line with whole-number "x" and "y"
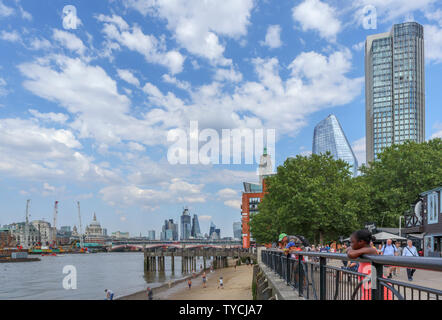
{"x": 221, "y": 283}
{"x": 398, "y": 253}
{"x": 149, "y": 294}
{"x": 410, "y": 251}
{"x": 204, "y": 277}
{"x": 109, "y": 294}
{"x": 389, "y": 250}
{"x": 189, "y": 283}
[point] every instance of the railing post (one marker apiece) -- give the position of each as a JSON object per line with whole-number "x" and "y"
{"x": 288, "y": 269}
{"x": 300, "y": 277}
{"x": 377, "y": 292}
{"x": 322, "y": 278}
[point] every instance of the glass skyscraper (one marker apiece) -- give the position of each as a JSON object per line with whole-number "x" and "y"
{"x": 186, "y": 225}
{"x": 394, "y": 87}
{"x": 329, "y": 136}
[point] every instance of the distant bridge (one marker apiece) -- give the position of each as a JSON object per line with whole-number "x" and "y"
{"x": 140, "y": 245}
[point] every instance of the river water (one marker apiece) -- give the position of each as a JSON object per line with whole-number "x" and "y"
{"x": 123, "y": 273}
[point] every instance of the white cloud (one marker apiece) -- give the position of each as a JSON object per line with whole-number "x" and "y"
{"x": 30, "y": 151}
{"x": 87, "y": 92}
{"x": 3, "y": 91}
{"x": 358, "y": 147}
{"x": 173, "y": 191}
{"x": 50, "y": 117}
{"x": 438, "y": 133}
{"x": 273, "y": 37}
{"x": 359, "y": 46}
{"x": 227, "y": 193}
{"x": 433, "y": 43}
{"x": 5, "y": 11}
{"x": 129, "y": 77}
{"x": 389, "y": 10}
{"x": 12, "y": 36}
{"x": 153, "y": 50}
{"x": 229, "y": 75}
{"x": 236, "y": 204}
{"x": 318, "y": 16}
{"x": 40, "y": 44}
{"x": 70, "y": 41}
{"x": 197, "y": 25}
{"x": 178, "y": 83}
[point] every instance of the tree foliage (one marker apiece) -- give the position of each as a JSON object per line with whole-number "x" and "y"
{"x": 317, "y": 197}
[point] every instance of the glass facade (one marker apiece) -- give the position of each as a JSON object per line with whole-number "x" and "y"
{"x": 395, "y": 88}
{"x": 329, "y": 136}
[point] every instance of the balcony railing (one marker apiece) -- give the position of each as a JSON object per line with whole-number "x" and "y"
{"x": 318, "y": 276}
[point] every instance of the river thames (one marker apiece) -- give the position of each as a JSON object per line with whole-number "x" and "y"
{"x": 123, "y": 273}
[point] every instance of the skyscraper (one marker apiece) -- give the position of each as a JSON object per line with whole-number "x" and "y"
{"x": 196, "y": 232}
{"x": 237, "y": 230}
{"x": 329, "y": 136}
{"x": 185, "y": 224}
{"x": 169, "y": 231}
{"x": 394, "y": 87}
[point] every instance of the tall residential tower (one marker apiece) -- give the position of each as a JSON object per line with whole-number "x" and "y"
{"x": 394, "y": 87}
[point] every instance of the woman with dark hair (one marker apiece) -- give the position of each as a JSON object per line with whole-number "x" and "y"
{"x": 360, "y": 245}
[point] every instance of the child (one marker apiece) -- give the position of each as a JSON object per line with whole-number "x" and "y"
{"x": 360, "y": 245}
{"x": 189, "y": 283}
{"x": 204, "y": 279}
{"x": 221, "y": 283}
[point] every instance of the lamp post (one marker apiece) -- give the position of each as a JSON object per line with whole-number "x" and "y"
{"x": 400, "y": 224}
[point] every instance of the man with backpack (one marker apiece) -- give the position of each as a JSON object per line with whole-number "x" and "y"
{"x": 389, "y": 250}
{"x": 410, "y": 251}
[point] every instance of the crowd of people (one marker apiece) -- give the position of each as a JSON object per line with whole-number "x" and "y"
{"x": 291, "y": 244}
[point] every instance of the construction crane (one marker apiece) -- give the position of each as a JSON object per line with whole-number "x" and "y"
{"x": 27, "y": 237}
{"x": 80, "y": 232}
{"x": 54, "y": 227}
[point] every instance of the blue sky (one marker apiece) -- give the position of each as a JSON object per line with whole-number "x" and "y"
{"x": 85, "y": 112}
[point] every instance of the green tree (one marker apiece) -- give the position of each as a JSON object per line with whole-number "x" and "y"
{"x": 311, "y": 196}
{"x": 395, "y": 180}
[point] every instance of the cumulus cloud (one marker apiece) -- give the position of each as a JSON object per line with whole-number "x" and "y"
{"x": 129, "y": 77}
{"x": 273, "y": 37}
{"x": 5, "y": 11}
{"x": 30, "y": 151}
{"x": 197, "y": 25}
{"x": 317, "y": 16}
{"x": 12, "y": 36}
{"x": 69, "y": 41}
{"x": 117, "y": 30}
{"x": 173, "y": 191}
{"x": 50, "y": 117}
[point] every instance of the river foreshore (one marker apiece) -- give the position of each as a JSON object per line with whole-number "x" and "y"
{"x": 237, "y": 286}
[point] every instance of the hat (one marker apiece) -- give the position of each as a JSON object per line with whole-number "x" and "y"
{"x": 282, "y": 236}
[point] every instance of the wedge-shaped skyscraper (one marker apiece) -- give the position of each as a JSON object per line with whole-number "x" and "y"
{"x": 329, "y": 136}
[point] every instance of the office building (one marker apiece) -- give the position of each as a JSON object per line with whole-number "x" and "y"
{"x": 169, "y": 231}
{"x": 151, "y": 234}
{"x": 329, "y": 137}
{"x": 237, "y": 230}
{"x": 195, "y": 232}
{"x": 186, "y": 226}
{"x": 394, "y": 88}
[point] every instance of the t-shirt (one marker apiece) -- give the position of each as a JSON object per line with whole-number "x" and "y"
{"x": 388, "y": 250}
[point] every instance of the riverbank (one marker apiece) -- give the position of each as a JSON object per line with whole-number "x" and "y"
{"x": 19, "y": 260}
{"x": 237, "y": 286}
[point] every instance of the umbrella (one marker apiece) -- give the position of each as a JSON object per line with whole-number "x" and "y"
{"x": 385, "y": 236}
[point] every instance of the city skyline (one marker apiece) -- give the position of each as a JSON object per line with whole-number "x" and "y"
{"x": 269, "y": 65}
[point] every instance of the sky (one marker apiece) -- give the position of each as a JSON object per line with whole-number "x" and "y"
{"x": 89, "y": 96}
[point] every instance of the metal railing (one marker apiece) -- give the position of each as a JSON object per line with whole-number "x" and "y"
{"x": 319, "y": 276}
